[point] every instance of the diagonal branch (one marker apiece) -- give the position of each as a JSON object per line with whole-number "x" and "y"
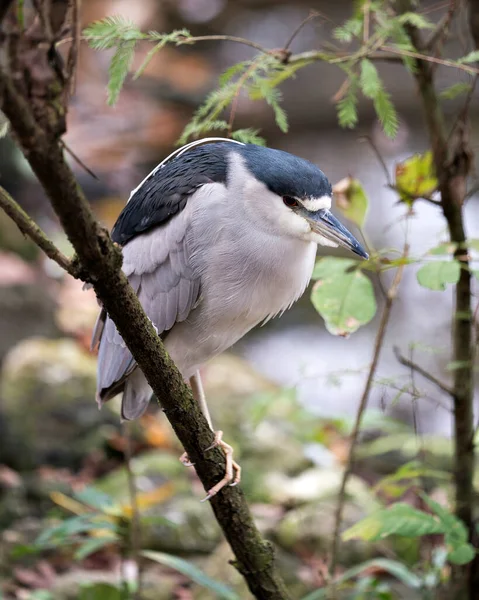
{"x": 415, "y": 367}
{"x": 29, "y": 228}
{"x": 100, "y": 264}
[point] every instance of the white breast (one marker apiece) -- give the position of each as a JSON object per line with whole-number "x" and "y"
{"x": 246, "y": 278}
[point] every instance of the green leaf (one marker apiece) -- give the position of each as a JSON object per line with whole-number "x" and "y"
{"x": 386, "y": 113}
{"x": 416, "y": 177}
{"x": 398, "y": 519}
{"x": 230, "y": 72}
{"x": 94, "y": 498}
{"x": 411, "y": 471}
{"x": 462, "y": 554}
{"x": 436, "y": 275}
{"x": 351, "y": 200}
{"x": 342, "y": 295}
{"x": 179, "y": 36}
{"x": 455, "y": 90}
{"x": 192, "y": 572}
{"x": 470, "y": 58}
{"x": 455, "y": 365}
{"x": 351, "y": 28}
{"x": 393, "y": 567}
{"x": 454, "y": 529}
{"x": 100, "y": 591}
{"x": 347, "y": 106}
{"x": 446, "y": 248}
{"x": 150, "y": 54}
{"x": 248, "y": 136}
{"x": 369, "y": 79}
{"x": 118, "y": 70}
{"x": 416, "y": 20}
{"x": 91, "y": 546}
{"x": 109, "y": 32}
{"x": 281, "y": 117}
{"x": 473, "y": 244}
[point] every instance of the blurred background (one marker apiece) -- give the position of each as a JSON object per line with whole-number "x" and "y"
{"x": 268, "y": 387}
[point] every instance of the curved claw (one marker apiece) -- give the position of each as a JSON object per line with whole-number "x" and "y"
{"x": 185, "y": 460}
{"x": 232, "y": 472}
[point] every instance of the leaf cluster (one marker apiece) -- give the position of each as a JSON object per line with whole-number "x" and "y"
{"x": 404, "y": 520}
{"x": 121, "y": 34}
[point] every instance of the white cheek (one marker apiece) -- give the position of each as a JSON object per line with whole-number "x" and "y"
{"x": 317, "y": 238}
{"x": 290, "y": 222}
{"x": 314, "y": 204}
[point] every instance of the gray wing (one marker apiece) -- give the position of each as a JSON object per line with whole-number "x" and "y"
{"x": 158, "y": 267}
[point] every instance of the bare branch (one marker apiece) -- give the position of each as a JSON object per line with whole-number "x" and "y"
{"x": 29, "y": 228}
{"x": 378, "y": 344}
{"x": 418, "y": 369}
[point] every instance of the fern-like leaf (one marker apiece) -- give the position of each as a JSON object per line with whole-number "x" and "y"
{"x": 118, "y": 70}
{"x": 469, "y": 58}
{"x": 416, "y": 20}
{"x": 347, "y": 106}
{"x": 230, "y": 72}
{"x": 349, "y": 30}
{"x": 386, "y": 113}
{"x": 248, "y": 136}
{"x": 369, "y": 79}
{"x": 455, "y": 90}
{"x": 146, "y": 61}
{"x": 109, "y": 32}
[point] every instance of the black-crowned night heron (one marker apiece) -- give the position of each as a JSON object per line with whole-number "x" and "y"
{"x": 217, "y": 238}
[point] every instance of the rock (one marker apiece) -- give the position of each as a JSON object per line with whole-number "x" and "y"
{"x": 151, "y": 469}
{"x": 315, "y": 484}
{"x": 193, "y": 528}
{"x": 25, "y": 311}
{"x": 219, "y": 568}
{"x": 48, "y": 393}
{"x": 311, "y": 528}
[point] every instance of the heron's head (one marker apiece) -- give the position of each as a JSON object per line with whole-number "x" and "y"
{"x": 287, "y": 195}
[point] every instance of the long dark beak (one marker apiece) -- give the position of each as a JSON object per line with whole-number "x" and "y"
{"x": 326, "y": 224}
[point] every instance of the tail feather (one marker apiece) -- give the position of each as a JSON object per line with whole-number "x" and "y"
{"x": 136, "y": 396}
{"x": 117, "y": 370}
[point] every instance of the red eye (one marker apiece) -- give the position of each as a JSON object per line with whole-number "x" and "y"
{"x": 290, "y": 202}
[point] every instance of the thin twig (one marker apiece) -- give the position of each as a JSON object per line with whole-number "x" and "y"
{"x": 440, "y": 61}
{"x": 29, "y": 228}
{"x": 312, "y": 15}
{"x": 391, "y": 295}
{"x": 366, "y": 11}
{"x": 135, "y": 524}
{"x": 78, "y": 160}
{"x": 369, "y": 140}
{"x": 235, "y": 101}
{"x": 441, "y": 28}
{"x": 418, "y": 369}
{"x": 188, "y": 40}
{"x": 397, "y": 189}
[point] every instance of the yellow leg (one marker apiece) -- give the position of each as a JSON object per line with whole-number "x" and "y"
{"x": 233, "y": 470}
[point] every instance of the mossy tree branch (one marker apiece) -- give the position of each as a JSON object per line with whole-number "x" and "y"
{"x": 37, "y": 118}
